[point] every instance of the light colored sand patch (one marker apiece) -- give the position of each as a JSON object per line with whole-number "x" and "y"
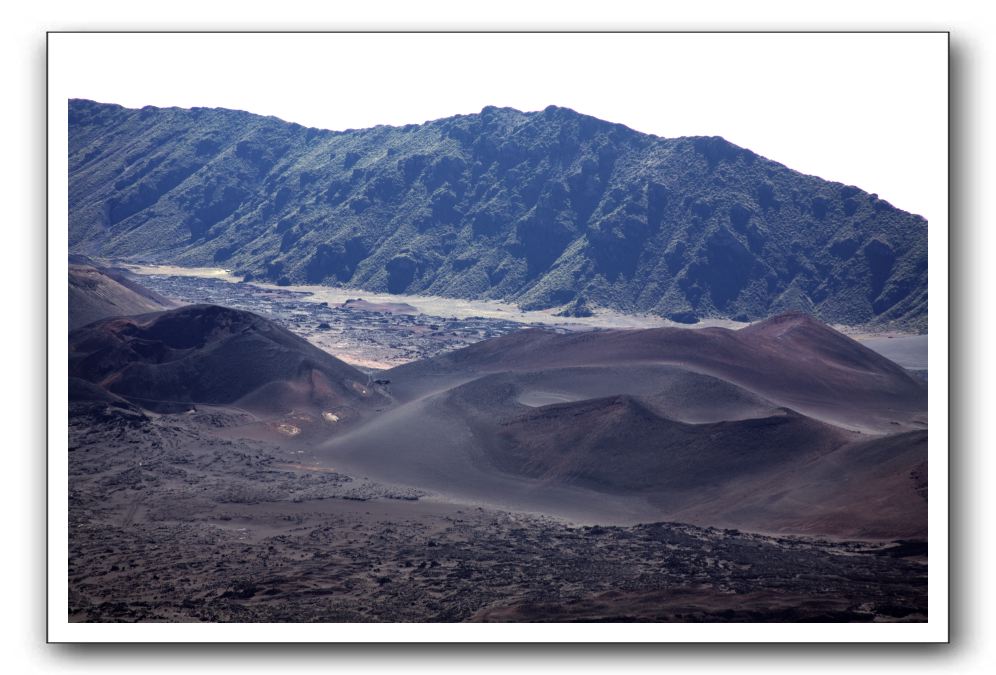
{"x": 909, "y": 351}
{"x": 863, "y": 333}
{"x": 330, "y": 417}
{"x": 444, "y": 307}
{"x": 311, "y": 468}
{"x": 288, "y": 429}
{"x": 535, "y": 399}
{"x": 177, "y": 271}
{"x": 342, "y": 351}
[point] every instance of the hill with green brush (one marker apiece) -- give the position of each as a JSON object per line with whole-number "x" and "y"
{"x": 544, "y": 209}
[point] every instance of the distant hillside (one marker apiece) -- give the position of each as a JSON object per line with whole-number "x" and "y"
{"x": 545, "y": 209}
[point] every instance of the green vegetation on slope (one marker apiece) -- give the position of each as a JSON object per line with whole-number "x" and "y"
{"x": 544, "y": 209}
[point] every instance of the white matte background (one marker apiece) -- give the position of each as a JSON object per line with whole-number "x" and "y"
{"x": 23, "y": 398}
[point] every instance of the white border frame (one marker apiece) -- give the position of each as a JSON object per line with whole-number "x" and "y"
{"x": 61, "y": 630}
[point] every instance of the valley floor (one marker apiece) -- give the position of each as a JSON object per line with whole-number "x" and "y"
{"x": 380, "y": 340}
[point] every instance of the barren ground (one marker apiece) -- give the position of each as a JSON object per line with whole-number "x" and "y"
{"x": 168, "y": 522}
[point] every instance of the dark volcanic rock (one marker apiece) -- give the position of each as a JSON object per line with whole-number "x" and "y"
{"x": 537, "y": 208}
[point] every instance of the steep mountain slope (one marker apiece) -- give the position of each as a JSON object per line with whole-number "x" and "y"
{"x": 204, "y": 354}
{"x": 544, "y": 209}
{"x": 96, "y": 293}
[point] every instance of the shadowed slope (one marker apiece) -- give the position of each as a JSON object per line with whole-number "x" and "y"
{"x": 874, "y": 488}
{"x": 213, "y": 355}
{"x": 618, "y": 444}
{"x": 621, "y": 458}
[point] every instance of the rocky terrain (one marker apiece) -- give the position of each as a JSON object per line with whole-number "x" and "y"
{"x": 548, "y": 209}
{"x": 169, "y": 522}
{"x": 365, "y": 334}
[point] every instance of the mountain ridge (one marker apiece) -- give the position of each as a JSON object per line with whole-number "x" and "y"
{"x": 539, "y": 208}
